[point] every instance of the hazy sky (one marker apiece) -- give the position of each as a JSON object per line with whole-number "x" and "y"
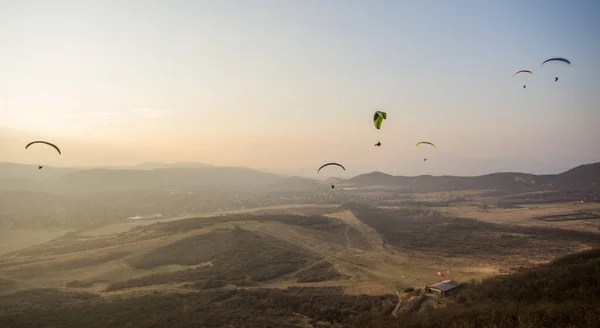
{"x": 288, "y": 85}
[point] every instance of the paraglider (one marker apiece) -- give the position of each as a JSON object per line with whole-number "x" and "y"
{"x": 331, "y": 163}
{"x": 46, "y": 143}
{"x": 424, "y": 143}
{"x": 378, "y": 118}
{"x": 559, "y": 60}
{"x": 523, "y": 71}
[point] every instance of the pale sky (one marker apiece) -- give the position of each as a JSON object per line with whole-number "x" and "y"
{"x": 285, "y": 86}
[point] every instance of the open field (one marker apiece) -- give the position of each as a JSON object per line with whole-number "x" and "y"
{"x": 529, "y": 214}
{"x": 391, "y": 247}
{"x": 15, "y": 239}
{"x": 356, "y": 249}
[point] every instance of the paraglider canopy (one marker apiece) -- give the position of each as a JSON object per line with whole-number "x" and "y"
{"x": 424, "y": 143}
{"x": 558, "y": 59}
{"x": 331, "y": 163}
{"x": 523, "y": 71}
{"x": 46, "y": 143}
{"x": 378, "y": 118}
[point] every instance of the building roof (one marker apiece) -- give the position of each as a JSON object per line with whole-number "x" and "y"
{"x": 444, "y": 285}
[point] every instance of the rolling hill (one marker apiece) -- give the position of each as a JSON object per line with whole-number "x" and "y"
{"x": 194, "y": 177}
{"x": 67, "y": 180}
{"x": 584, "y": 177}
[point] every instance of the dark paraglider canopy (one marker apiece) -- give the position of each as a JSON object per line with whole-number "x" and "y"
{"x": 44, "y": 142}
{"x": 559, "y": 59}
{"x": 331, "y": 163}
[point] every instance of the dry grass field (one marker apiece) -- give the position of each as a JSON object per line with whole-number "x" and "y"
{"x": 359, "y": 250}
{"x": 15, "y": 239}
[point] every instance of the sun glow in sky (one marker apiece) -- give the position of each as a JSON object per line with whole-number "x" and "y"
{"x": 288, "y": 85}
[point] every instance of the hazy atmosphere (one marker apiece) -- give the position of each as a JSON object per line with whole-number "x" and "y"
{"x": 285, "y": 86}
{"x": 299, "y": 164}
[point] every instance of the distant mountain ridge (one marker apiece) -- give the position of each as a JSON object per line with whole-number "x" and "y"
{"x": 184, "y": 165}
{"x": 197, "y": 176}
{"x": 585, "y": 176}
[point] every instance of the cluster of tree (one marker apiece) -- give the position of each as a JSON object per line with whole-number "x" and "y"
{"x": 237, "y": 257}
{"x": 426, "y": 230}
{"x": 322, "y": 271}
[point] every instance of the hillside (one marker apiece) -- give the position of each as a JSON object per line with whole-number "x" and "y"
{"x": 149, "y": 177}
{"x": 562, "y": 293}
{"x": 583, "y": 177}
{"x": 312, "y": 266}
{"x": 165, "y": 179}
{"x": 580, "y": 177}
